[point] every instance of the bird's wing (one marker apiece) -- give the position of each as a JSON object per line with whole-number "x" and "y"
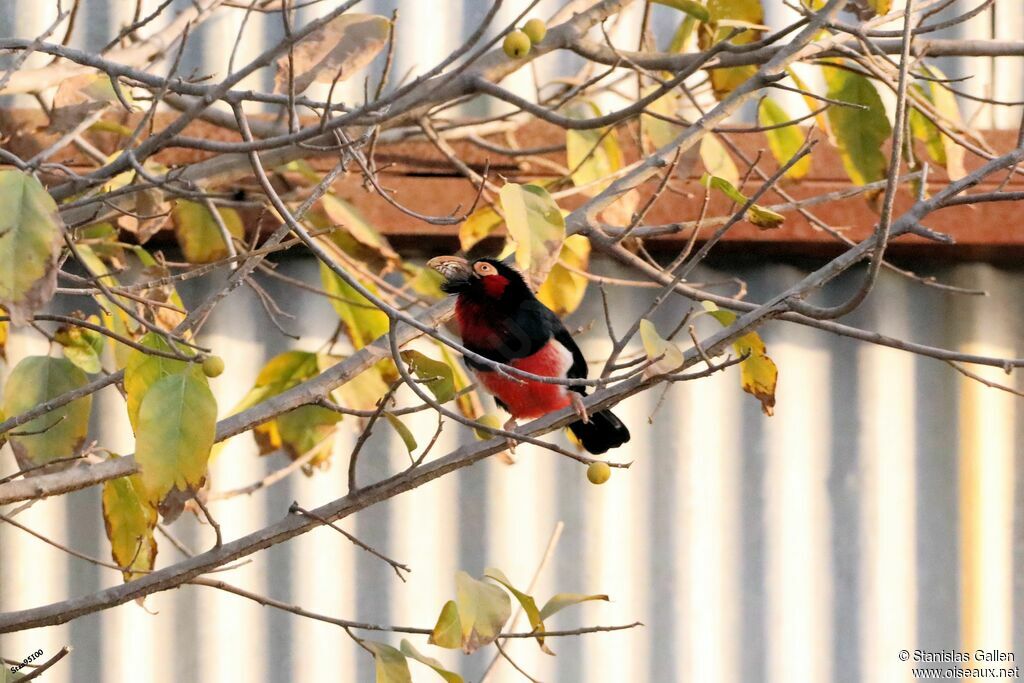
{"x": 578, "y": 369}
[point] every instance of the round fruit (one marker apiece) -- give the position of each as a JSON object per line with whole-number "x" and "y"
{"x": 535, "y": 30}
{"x": 598, "y": 472}
{"x": 213, "y": 366}
{"x": 516, "y": 44}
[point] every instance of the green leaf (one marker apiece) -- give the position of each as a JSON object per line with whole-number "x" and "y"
{"x": 591, "y": 154}
{"x": 563, "y": 289}
{"x": 859, "y": 133}
{"x": 691, "y": 7}
{"x": 143, "y": 370}
{"x": 527, "y": 602}
{"x": 766, "y": 219}
{"x": 469, "y": 402}
{"x": 665, "y": 356}
{"x": 129, "y": 520}
{"x": 483, "y": 610}
{"x": 435, "y": 374}
{"x": 58, "y": 433}
{"x": 758, "y": 373}
{"x": 3, "y": 340}
{"x": 941, "y": 148}
{"x": 560, "y": 601}
{"x": 536, "y": 225}
{"x": 81, "y": 345}
{"x": 175, "y": 430}
{"x": 363, "y": 322}
{"x": 409, "y": 651}
{"x": 725, "y": 15}
{"x": 784, "y": 142}
{"x": 407, "y": 438}
{"x": 308, "y": 428}
{"x": 716, "y": 159}
{"x": 30, "y": 240}
{"x": 301, "y": 429}
{"x": 480, "y": 224}
{"x": 391, "y": 666}
{"x": 448, "y": 629}
{"x": 681, "y": 37}
{"x": 199, "y": 235}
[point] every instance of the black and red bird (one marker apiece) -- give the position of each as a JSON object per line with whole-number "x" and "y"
{"x": 499, "y": 318}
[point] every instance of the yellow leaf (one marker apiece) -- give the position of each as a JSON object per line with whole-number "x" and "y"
{"x": 717, "y": 161}
{"x": 658, "y": 132}
{"x": 363, "y": 322}
{"x": 725, "y": 15}
{"x": 409, "y": 651}
{"x": 199, "y": 234}
{"x": 480, "y": 224}
{"x": 390, "y": 664}
{"x": 591, "y": 154}
{"x": 354, "y": 234}
{"x": 448, "y": 629}
{"x": 941, "y": 148}
{"x": 563, "y": 290}
{"x": 665, "y": 355}
{"x": 758, "y": 373}
{"x": 537, "y": 227}
{"x": 562, "y": 600}
{"x": 483, "y": 610}
{"x": 489, "y": 420}
{"x": 783, "y": 142}
{"x": 527, "y": 602}
{"x": 129, "y": 521}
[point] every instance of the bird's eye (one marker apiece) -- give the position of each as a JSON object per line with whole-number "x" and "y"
{"x": 484, "y": 269}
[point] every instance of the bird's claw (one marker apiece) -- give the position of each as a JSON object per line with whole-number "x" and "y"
{"x": 577, "y": 405}
{"x": 509, "y": 426}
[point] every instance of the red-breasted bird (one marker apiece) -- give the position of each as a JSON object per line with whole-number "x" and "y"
{"x": 499, "y": 318}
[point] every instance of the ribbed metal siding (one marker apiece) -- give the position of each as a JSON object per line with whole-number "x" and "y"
{"x": 875, "y": 511}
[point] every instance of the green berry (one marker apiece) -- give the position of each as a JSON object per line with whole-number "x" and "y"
{"x": 535, "y": 30}
{"x": 598, "y": 472}
{"x": 516, "y": 45}
{"x": 213, "y": 366}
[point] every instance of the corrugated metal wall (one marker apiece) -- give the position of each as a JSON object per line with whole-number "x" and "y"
{"x": 878, "y": 510}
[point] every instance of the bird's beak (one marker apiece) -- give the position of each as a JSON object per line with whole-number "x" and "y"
{"x": 456, "y": 272}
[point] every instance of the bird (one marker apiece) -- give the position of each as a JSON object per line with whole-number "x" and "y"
{"x": 499, "y": 317}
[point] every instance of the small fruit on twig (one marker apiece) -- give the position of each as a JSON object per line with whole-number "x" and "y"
{"x": 516, "y": 45}
{"x": 535, "y": 29}
{"x": 213, "y": 366}
{"x": 598, "y": 472}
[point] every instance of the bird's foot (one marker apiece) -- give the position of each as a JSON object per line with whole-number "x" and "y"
{"x": 577, "y": 405}
{"x": 509, "y": 426}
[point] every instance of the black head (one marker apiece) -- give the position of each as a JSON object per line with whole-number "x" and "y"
{"x": 483, "y": 279}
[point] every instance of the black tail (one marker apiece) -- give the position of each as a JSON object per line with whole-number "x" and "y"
{"x": 604, "y": 431}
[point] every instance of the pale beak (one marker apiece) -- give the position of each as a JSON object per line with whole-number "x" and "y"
{"x": 452, "y": 267}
